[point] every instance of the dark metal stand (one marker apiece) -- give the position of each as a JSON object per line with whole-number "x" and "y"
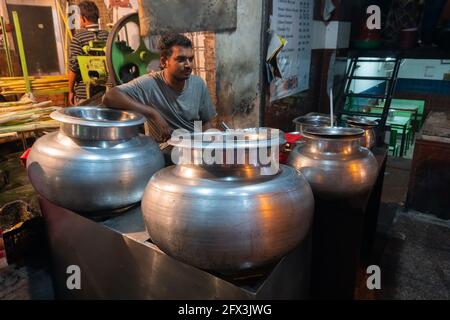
{"x": 118, "y": 261}
{"x": 343, "y": 234}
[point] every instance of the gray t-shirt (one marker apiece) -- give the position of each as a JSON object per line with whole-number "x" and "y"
{"x": 179, "y": 109}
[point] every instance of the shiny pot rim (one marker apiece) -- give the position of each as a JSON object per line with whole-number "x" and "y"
{"x": 92, "y": 116}
{"x": 362, "y": 121}
{"x": 252, "y": 138}
{"x": 312, "y": 120}
{"x": 93, "y": 123}
{"x": 334, "y": 133}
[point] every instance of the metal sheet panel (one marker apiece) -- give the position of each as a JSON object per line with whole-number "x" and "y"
{"x": 118, "y": 262}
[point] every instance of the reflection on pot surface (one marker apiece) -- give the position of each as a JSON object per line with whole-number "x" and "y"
{"x": 227, "y": 217}
{"x": 96, "y": 161}
{"x": 334, "y": 163}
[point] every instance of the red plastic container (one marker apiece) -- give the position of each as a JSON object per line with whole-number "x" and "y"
{"x": 291, "y": 140}
{"x": 24, "y": 157}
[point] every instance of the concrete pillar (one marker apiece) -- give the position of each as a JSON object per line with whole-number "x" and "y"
{"x": 238, "y": 66}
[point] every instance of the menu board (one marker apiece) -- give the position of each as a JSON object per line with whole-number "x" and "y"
{"x": 292, "y": 20}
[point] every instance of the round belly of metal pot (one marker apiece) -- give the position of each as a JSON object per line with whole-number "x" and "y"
{"x": 231, "y": 216}
{"x": 97, "y": 161}
{"x": 334, "y": 163}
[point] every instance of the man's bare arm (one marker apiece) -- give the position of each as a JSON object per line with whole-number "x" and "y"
{"x": 117, "y": 99}
{"x": 72, "y": 77}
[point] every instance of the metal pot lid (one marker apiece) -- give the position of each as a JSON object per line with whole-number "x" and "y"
{"x": 230, "y": 139}
{"x": 92, "y": 116}
{"x": 362, "y": 121}
{"x": 333, "y": 132}
{"x": 312, "y": 120}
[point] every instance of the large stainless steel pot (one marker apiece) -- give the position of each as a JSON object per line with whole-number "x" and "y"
{"x": 96, "y": 161}
{"x": 334, "y": 163}
{"x": 227, "y": 217}
{"x": 369, "y": 138}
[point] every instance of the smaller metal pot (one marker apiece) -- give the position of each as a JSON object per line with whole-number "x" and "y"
{"x": 335, "y": 164}
{"x": 369, "y": 138}
{"x": 310, "y": 121}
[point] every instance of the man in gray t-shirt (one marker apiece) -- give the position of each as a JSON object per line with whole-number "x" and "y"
{"x": 171, "y": 98}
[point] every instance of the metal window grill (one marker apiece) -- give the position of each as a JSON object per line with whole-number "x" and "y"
{"x": 198, "y": 44}
{"x": 204, "y": 59}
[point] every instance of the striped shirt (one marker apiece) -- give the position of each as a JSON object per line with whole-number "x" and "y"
{"x": 80, "y": 40}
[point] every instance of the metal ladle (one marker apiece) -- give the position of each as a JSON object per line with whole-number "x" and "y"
{"x": 225, "y": 126}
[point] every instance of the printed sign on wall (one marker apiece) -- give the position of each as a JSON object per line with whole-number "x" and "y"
{"x": 292, "y": 20}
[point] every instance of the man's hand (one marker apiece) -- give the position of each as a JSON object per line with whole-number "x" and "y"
{"x": 71, "y": 99}
{"x": 162, "y": 124}
{"x": 114, "y": 98}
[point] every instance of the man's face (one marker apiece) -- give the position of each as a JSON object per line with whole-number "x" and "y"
{"x": 179, "y": 64}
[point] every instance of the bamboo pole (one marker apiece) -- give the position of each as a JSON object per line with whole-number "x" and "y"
{"x": 31, "y": 126}
{"x": 15, "y": 103}
{"x": 6, "y": 45}
{"x": 7, "y": 135}
{"x": 25, "y": 107}
{"x": 38, "y": 84}
{"x": 67, "y": 36}
{"x": 6, "y": 120}
{"x": 63, "y": 18}
{"x": 23, "y": 60}
{"x": 30, "y": 111}
{"x": 36, "y": 77}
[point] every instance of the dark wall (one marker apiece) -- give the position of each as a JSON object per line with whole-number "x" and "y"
{"x": 38, "y": 36}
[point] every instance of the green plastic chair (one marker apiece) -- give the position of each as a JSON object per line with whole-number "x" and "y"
{"x": 393, "y": 146}
{"x": 420, "y": 113}
{"x": 377, "y": 111}
{"x": 410, "y": 129}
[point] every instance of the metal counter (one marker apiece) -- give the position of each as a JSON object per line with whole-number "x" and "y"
{"x": 117, "y": 260}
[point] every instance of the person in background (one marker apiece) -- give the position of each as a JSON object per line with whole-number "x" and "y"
{"x": 89, "y": 31}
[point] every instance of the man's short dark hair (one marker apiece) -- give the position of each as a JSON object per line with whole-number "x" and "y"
{"x": 89, "y": 10}
{"x": 167, "y": 41}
